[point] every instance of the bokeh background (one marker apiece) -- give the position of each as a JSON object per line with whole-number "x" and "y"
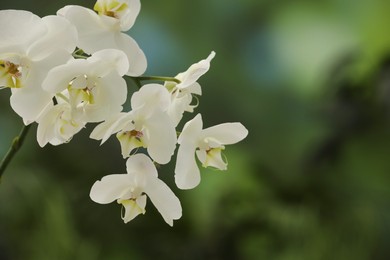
{"x": 311, "y": 82}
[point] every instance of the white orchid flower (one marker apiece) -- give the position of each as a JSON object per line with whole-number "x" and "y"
{"x": 57, "y": 125}
{"x": 147, "y": 125}
{"x": 181, "y": 93}
{"x": 103, "y": 30}
{"x": 125, "y": 11}
{"x": 207, "y": 144}
{"x": 93, "y": 86}
{"x": 29, "y": 48}
{"x": 131, "y": 190}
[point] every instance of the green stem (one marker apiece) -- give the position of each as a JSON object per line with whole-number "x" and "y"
{"x": 17, "y": 142}
{"x": 157, "y": 78}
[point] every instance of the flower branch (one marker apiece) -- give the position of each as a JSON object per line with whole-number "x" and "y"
{"x": 75, "y": 75}
{"x": 159, "y": 78}
{"x": 15, "y": 146}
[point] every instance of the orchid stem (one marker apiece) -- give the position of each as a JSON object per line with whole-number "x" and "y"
{"x": 158, "y": 78}
{"x": 17, "y": 142}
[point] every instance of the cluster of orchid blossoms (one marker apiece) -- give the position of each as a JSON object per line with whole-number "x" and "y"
{"x": 67, "y": 70}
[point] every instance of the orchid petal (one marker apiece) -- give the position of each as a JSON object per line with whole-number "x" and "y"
{"x": 164, "y": 200}
{"x": 140, "y": 164}
{"x": 151, "y": 97}
{"x": 19, "y": 27}
{"x": 227, "y": 133}
{"x": 110, "y": 188}
{"x": 56, "y": 125}
{"x": 128, "y": 143}
{"x": 194, "y": 72}
{"x": 191, "y": 130}
{"x": 195, "y": 88}
{"x": 44, "y": 132}
{"x": 111, "y": 94}
{"x": 128, "y": 20}
{"x": 110, "y": 59}
{"x": 187, "y": 174}
{"x": 161, "y": 133}
{"x": 29, "y": 102}
{"x": 93, "y": 34}
{"x": 212, "y": 158}
{"x": 110, "y": 126}
{"x": 126, "y": 11}
{"x": 59, "y": 77}
{"x": 177, "y": 108}
{"x": 133, "y": 208}
{"x": 136, "y": 57}
{"x": 58, "y": 30}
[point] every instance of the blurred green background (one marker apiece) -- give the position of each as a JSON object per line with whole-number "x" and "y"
{"x": 311, "y": 82}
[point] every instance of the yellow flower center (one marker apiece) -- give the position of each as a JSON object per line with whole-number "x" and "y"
{"x": 130, "y": 140}
{"x": 81, "y": 90}
{"x": 10, "y": 74}
{"x": 111, "y": 8}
